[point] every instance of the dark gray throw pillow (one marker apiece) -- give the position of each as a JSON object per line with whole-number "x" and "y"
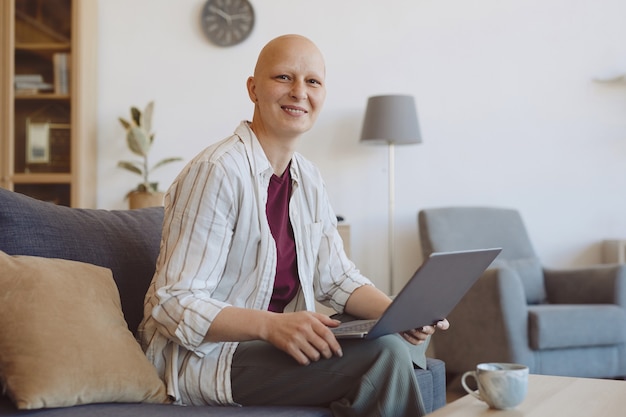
{"x": 125, "y": 241}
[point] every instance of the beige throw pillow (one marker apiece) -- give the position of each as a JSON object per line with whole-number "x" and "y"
{"x": 63, "y": 337}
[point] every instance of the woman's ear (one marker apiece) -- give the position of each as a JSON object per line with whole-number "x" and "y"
{"x": 251, "y": 86}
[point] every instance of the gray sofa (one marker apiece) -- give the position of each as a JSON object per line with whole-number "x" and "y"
{"x": 127, "y": 243}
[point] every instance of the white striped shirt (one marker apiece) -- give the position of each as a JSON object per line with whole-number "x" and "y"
{"x": 217, "y": 250}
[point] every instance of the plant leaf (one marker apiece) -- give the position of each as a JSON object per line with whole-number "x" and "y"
{"x": 153, "y": 187}
{"x": 146, "y": 117}
{"x": 136, "y": 115}
{"x": 165, "y": 161}
{"x": 138, "y": 141}
{"x": 148, "y": 187}
{"x": 125, "y": 123}
{"x": 134, "y": 167}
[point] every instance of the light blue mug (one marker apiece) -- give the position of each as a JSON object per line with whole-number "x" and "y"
{"x": 500, "y": 385}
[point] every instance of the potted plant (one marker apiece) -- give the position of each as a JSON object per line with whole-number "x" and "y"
{"x": 139, "y": 139}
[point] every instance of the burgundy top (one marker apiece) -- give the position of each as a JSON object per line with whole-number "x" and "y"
{"x": 286, "y": 283}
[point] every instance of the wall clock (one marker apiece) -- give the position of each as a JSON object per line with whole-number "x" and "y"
{"x": 227, "y": 22}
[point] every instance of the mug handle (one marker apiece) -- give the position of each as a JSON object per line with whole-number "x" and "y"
{"x": 470, "y": 391}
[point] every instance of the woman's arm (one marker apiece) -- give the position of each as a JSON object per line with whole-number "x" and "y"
{"x": 367, "y": 302}
{"x": 304, "y": 335}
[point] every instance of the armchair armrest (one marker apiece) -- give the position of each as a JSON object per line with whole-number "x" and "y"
{"x": 489, "y": 324}
{"x": 598, "y": 284}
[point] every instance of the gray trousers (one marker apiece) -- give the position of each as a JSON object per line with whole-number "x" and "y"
{"x": 373, "y": 378}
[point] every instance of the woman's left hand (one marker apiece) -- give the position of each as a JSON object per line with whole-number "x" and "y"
{"x": 419, "y": 336}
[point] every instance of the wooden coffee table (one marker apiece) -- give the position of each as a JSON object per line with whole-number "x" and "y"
{"x": 552, "y": 396}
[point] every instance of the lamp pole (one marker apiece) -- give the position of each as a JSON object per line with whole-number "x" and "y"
{"x": 392, "y": 202}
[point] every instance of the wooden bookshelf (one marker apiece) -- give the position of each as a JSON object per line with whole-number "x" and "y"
{"x": 48, "y": 99}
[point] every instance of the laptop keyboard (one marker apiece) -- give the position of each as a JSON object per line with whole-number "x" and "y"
{"x": 354, "y": 327}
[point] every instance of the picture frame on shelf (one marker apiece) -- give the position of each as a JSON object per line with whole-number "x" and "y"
{"x": 48, "y": 140}
{"x": 37, "y": 142}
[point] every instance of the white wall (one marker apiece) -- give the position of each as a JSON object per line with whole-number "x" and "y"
{"x": 508, "y": 110}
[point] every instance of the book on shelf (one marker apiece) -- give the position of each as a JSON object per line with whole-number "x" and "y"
{"x": 28, "y": 78}
{"x": 61, "y": 64}
{"x": 31, "y": 84}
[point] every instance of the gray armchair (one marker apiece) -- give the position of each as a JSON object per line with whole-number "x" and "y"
{"x": 558, "y": 322}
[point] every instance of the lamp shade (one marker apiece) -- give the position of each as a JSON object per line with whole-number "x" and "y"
{"x": 391, "y": 119}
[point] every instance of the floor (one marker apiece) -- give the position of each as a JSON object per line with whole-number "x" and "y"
{"x": 452, "y": 395}
{"x": 454, "y": 389}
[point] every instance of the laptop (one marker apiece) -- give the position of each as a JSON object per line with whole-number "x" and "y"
{"x": 430, "y": 295}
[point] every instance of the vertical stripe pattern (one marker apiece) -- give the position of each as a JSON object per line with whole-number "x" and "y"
{"x": 217, "y": 250}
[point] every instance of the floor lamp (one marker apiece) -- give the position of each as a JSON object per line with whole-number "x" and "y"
{"x": 391, "y": 120}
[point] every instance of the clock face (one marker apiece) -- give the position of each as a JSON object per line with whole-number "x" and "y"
{"x": 227, "y": 22}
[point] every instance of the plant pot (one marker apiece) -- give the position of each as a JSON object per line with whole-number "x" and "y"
{"x": 141, "y": 199}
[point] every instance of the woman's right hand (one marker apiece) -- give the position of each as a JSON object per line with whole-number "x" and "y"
{"x": 304, "y": 335}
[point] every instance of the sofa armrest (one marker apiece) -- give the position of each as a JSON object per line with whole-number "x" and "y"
{"x": 489, "y": 324}
{"x": 598, "y": 284}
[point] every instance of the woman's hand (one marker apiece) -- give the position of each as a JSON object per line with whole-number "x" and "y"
{"x": 304, "y": 335}
{"x": 419, "y": 336}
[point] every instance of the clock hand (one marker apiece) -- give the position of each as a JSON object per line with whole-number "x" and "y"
{"x": 240, "y": 16}
{"x": 220, "y": 12}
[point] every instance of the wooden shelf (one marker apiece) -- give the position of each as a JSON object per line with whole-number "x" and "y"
{"x": 43, "y": 46}
{"x": 42, "y": 96}
{"x": 47, "y": 136}
{"x": 52, "y": 178}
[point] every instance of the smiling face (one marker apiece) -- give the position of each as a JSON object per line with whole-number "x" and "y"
{"x": 288, "y": 88}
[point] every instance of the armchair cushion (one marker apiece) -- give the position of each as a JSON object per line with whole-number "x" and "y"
{"x": 597, "y": 284}
{"x": 567, "y": 326}
{"x": 531, "y": 271}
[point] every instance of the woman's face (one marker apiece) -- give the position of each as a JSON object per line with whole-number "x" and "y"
{"x": 288, "y": 87}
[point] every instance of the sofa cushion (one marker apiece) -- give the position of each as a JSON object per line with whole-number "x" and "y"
{"x": 63, "y": 337}
{"x": 125, "y": 241}
{"x": 553, "y": 326}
